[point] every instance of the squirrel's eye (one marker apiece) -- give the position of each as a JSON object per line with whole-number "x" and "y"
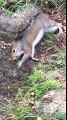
{"x": 13, "y": 51}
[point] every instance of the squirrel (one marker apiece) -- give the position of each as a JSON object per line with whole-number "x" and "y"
{"x": 32, "y": 36}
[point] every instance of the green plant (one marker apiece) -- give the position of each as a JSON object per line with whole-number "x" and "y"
{"x": 50, "y": 36}
{"x": 39, "y": 84}
{"x": 61, "y": 116}
{"x": 16, "y": 111}
{"x": 1, "y": 3}
{"x": 58, "y": 115}
{"x": 41, "y": 2}
{"x": 17, "y": 5}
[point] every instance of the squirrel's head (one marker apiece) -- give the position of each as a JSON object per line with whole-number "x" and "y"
{"x": 16, "y": 50}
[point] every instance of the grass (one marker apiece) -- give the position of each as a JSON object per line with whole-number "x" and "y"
{"x": 17, "y": 5}
{"x": 1, "y": 3}
{"x": 60, "y": 56}
{"x": 61, "y": 116}
{"x": 58, "y": 115}
{"x": 39, "y": 84}
{"x": 19, "y": 109}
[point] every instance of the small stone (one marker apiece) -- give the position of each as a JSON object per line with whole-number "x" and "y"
{"x": 32, "y": 94}
{"x": 31, "y": 103}
{"x": 48, "y": 96}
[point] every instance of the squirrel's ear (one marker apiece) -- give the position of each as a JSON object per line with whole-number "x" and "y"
{"x": 13, "y": 43}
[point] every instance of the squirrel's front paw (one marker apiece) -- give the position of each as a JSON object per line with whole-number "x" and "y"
{"x": 19, "y": 64}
